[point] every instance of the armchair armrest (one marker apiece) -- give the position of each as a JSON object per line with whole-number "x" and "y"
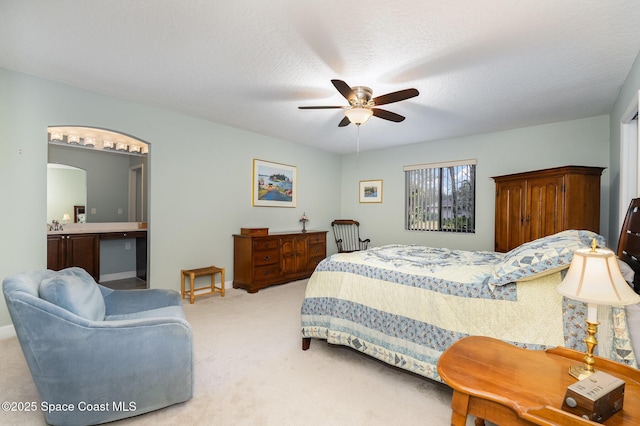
{"x": 120, "y": 302}
{"x": 364, "y": 243}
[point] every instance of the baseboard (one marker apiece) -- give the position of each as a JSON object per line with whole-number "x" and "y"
{"x": 7, "y": 331}
{"x": 118, "y": 276}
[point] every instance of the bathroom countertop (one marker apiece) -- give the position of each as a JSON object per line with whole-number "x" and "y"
{"x": 97, "y": 228}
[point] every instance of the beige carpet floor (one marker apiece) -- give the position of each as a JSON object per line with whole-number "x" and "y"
{"x": 250, "y": 370}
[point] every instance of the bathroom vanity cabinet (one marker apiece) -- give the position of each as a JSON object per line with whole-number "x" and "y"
{"x": 83, "y": 250}
{"x": 81, "y": 247}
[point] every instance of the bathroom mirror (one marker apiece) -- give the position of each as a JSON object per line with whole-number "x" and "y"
{"x": 109, "y": 183}
{"x": 66, "y": 188}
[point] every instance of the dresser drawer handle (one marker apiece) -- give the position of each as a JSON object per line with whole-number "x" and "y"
{"x": 265, "y": 272}
{"x": 267, "y": 258}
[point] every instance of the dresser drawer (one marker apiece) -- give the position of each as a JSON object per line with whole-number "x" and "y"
{"x": 313, "y": 262}
{"x": 266, "y": 257}
{"x": 318, "y": 250}
{"x": 262, "y": 273}
{"x": 265, "y": 243}
{"x": 317, "y": 238}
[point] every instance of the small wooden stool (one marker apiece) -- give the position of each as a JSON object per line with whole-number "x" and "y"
{"x": 193, "y": 273}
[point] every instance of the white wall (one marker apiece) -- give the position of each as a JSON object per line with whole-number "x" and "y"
{"x": 580, "y": 142}
{"x": 627, "y": 93}
{"x": 200, "y": 178}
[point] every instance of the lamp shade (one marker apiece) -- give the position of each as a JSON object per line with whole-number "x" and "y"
{"x": 594, "y": 277}
{"x": 358, "y": 115}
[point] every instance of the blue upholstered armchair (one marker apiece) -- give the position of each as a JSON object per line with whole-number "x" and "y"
{"x": 96, "y": 354}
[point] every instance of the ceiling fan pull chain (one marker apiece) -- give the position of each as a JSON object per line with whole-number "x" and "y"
{"x": 358, "y": 141}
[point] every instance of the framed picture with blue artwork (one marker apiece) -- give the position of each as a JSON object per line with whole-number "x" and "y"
{"x": 370, "y": 191}
{"x": 274, "y": 184}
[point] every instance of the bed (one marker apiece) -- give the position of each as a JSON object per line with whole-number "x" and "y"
{"x": 406, "y": 304}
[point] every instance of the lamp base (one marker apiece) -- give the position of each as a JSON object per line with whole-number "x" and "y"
{"x": 585, "y": 370}
{"x": 580, "y": 371}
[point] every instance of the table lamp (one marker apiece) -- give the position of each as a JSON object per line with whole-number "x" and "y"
{"x": 595, "y": 278}
{"x": 304, "y": 219}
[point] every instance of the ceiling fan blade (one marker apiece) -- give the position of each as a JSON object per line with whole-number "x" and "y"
{"x": 387, "y": 115}
{"x": 398, "y": 96}
{"x": 320, "y": 107}
{"x": 344, "y": 122}
{"x": 344, "y": 90}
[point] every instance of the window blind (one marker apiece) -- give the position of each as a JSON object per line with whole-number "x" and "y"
{"x": 440, "y": 196}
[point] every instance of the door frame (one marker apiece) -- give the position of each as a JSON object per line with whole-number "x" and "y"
{"x": 136, "y": 192}
{"x": 629, "y": 158}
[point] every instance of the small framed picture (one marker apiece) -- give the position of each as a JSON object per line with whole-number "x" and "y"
{"x": 370, "y": 191}
{"x": 274, "y": 184}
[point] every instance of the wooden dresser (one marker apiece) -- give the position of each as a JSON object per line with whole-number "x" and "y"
{"x": 535, "y": 204}
{"x": 263, "y": 260}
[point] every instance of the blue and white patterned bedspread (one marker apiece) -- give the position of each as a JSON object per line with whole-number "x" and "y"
{"x": 444, "y": 270}
{"x": 405, "y": 305}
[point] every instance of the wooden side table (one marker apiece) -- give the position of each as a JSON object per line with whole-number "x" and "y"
{"x": 193, "y": 273}
{"x": 508, "y": 385}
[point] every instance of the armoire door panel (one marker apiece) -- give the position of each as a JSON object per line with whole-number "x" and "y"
{"x": 544, "y": 210}
{"x": 510, "y": 209}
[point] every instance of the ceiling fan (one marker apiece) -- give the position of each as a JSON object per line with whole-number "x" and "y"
{"x": 362, "y": 106}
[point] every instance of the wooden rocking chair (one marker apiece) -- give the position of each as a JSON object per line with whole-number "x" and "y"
{"x": 347, "y": 235}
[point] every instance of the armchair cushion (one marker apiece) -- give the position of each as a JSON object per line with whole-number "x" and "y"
{"x": 74, "y": 290}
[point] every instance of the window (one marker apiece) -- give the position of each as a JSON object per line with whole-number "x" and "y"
{"x": 441, "y": 197}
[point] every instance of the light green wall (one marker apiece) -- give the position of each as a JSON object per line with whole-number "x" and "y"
{"x": 199, "y": 175}
{"x": 628, "y": 94}
{"x": 579, "y": 142}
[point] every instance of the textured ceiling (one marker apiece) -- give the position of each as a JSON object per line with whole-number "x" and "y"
{"x": 480, "y": 65}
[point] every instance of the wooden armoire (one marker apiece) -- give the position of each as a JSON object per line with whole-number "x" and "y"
{"x": 535, "y": 204}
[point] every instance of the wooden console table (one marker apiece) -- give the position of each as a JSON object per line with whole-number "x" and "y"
{"x": 508, "y": 385}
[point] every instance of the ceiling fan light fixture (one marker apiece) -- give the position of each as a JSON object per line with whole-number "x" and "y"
{"x": 358, "y": 115}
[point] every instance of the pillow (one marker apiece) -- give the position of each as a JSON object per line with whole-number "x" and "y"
{"x": 541, "y": 257}
{"x": 74, "y": 290}
{"x": 627, "y": 272}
